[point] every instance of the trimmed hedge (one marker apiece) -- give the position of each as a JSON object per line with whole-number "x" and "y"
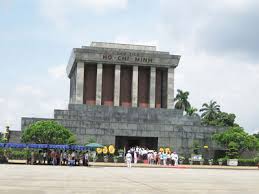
{"x": 244, "y": 162}
{"x": 248, "y": 162}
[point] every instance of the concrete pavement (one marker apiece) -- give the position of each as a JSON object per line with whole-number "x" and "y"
{"x": 26, "y": 179}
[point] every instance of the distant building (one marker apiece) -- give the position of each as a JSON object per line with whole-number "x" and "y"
{"x": 123, "y": 94}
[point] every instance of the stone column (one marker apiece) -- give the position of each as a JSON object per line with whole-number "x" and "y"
{"x": 134, "y": 90}
{"x": 80, "y": 71}
{"x": 152, "y": 88}
{"x": 99, "y": 77}
{"x": 170, "y": 88}
{"x": 117, "y": 76}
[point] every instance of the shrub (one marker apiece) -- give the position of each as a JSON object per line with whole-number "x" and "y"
{"x": 248, "y": 162}
{"x": 224, "y": 160}
{"x": 3, "y": 159}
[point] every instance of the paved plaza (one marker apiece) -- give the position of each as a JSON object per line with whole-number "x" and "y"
{"x": 28, "y": 179}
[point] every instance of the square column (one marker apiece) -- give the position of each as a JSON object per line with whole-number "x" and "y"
{"x": 117, "y": 76}
{"x": 99, "y": 77}
{"x": 170, "y": 88}
{"x": 80, "y": 71}
{"x": 152, "y": 88}
{"x": 134, "y": 94}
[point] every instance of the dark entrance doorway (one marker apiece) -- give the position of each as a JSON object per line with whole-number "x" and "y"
{"x": 128, "y": 142}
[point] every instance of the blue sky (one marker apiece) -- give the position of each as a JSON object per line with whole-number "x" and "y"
{"x": 218, "y": 41}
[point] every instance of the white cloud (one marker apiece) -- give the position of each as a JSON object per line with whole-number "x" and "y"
{"x": 58, "y": 72}
{"x": 2, "y": 100}
{"x": 58, "y": 11}
{"x": 255, "y": 131}
{"x": 28, "y": 90}
{"x": 213, "y": 67}
{"x": 34, "y": 99}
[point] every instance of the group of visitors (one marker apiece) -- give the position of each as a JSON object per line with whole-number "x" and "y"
{"x": 59, "y": 157}
{"x": 136, "y": 154}
{"x": 76, "y": 158}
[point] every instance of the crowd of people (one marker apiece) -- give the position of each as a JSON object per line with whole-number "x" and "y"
{"x": 136, "y": 154}
{"x": 59, "y": 157}
{"x": 76, "y": 158}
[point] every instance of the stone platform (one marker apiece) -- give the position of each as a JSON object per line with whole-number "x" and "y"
{"x": 104, "y": 124}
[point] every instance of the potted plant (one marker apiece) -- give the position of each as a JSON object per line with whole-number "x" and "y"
{"x": 115, "y": 159}
{"x": 105, "y": 158}
{"x": 93, "y": 155}
{"x": 232, "y": 154}
{"x": 210, "y": 161}
{"x": 220, "y": 161}
{"x": 121, "y": 152}
{"x": 181, "y": 159}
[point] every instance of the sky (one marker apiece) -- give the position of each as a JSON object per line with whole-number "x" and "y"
{"x": 218, "y": 42}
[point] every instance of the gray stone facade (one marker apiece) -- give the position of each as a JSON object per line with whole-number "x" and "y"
{"x": 105, "y": 123}
{"x": 15, "y": 136}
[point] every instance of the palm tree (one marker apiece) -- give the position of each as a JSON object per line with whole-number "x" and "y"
{"x": 182, "y": 100}
{"x": 210, "y": 111}
{"x": 191, "y": 111}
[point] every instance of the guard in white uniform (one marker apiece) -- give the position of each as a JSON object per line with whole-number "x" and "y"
{"x": 174, "y": 157}
{"x": 128, "y": 159}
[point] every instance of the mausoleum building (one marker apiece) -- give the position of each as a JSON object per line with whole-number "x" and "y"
{"x": 123, "y": 94}
{"x": 122, "y": 75}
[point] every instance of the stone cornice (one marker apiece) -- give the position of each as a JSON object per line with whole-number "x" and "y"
{"x": 90, "y": 54}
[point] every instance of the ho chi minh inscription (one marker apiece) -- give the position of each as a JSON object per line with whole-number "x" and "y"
{"x": 132, "y": 57}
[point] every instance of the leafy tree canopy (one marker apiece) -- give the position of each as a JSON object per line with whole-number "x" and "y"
{"x": 235, "y": 139}
{"x": 182, "y": 100}
{"x": 256, "y": 135}
{"x": 191, "y": 111}
{"x": 210, "y": 110}
{"x": 47, "y": 132}
{"x": 2, "y": 140}
{"x": 221, "y": 119}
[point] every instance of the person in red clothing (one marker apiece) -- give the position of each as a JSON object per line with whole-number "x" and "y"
{"x": 58, "y": 158}
{"x": 54, "y": 157}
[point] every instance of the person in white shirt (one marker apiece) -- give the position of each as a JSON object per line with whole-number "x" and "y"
{"x": 64, "y": 158}
{"x": 155, "y": 158}
{"x": 128, "y": 159}
{"x": 174, "y": 157}
{"x": 135, "y": 158}
{"x": 151, "y": 157}
{"x": 44, "y": 157}
{"x": 86, "y": 159}
{"x": 160, "y": 155}
{"x": 164, "y": 155}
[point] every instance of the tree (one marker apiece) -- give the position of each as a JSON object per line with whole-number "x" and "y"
{"x": 196, "y": 147}
{"x": 232, "y": 151}
{"x": 2, "y": 140}
{"x": 235, "y": 139}
{"x": 47, "y": 132}
{"x": 210, "y": 110}
{"x": 256, "y": 135}
{"x": 191, "y": 111}
{"x": 182, "y": 100}
{"x": 222, "y": 119}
